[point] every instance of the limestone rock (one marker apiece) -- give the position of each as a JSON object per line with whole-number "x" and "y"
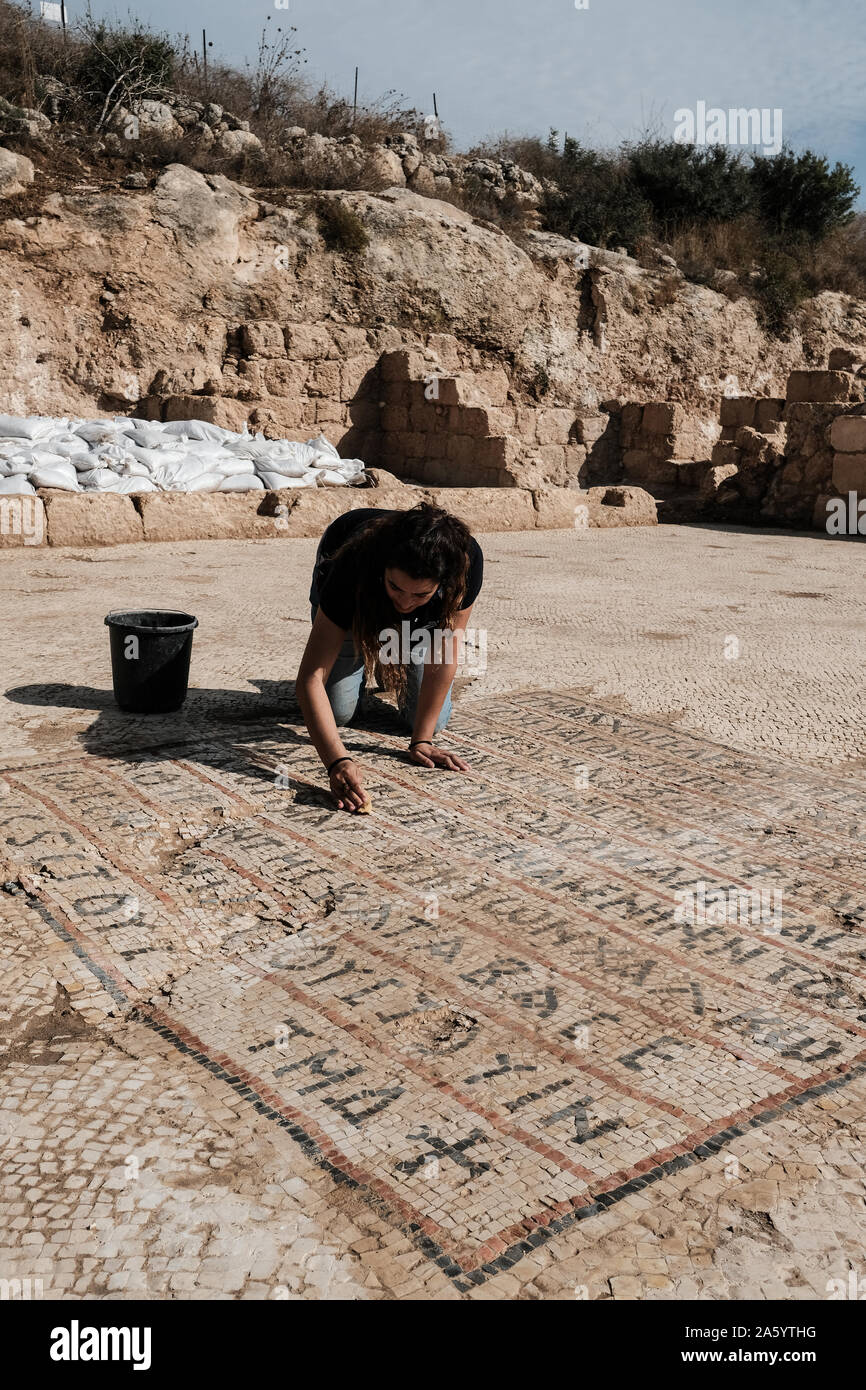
{"x": 232, "y": 143}
{"x": 16, "y": 171}
{"x": 386, "y": 167}
{"x": 157, "y": 118}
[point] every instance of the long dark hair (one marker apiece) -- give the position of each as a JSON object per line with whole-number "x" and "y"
{"x": 425, "y": 542}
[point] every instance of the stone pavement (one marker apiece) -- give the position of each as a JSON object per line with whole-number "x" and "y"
{"x": 586, "y": 1023}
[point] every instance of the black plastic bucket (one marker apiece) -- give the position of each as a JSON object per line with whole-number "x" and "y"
{"x": 150, "y": 652}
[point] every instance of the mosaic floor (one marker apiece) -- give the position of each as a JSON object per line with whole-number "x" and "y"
{"x": 503, "y": 1002}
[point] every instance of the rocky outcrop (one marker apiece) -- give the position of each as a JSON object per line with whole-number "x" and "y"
{"x": 434, "y": 346}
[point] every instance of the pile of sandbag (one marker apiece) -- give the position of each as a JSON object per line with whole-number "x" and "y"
{"x": 131, "y": 455}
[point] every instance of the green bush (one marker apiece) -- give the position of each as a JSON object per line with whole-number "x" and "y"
{"x": 597, "y": 200}
{"x": 685, "y": 184}
{"x": 801, "y": 195}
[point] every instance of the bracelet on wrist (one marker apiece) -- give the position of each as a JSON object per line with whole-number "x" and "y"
{"x": 415, "y": 742}
{"x": 345, "y": 759}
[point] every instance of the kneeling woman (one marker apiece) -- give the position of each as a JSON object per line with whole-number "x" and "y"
{"x": 380, "y": 575}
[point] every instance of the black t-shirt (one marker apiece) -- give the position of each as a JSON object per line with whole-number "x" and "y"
{"x": 336, "y": 582}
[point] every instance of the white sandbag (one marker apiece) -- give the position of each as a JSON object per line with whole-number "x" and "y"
{"x": 124, "y": 453}
{"x": 102, "y": 480}
{"x": 106, "y": 480}
{"x": 287, "y": 468}
{"x": 166, "y": 459}
{"x": 205, "y": 482}
{"x": 28, "y": 426}
{"x": 227, "y": 465}
{"x": 350, "y": 468}
{"x": 16, "y": 484}
{"x": 128, "y": 467}
{"x": 97, "y": 431}
{"x": 60, "y": 474}
{"x": 178, "y": 476}
{"x": 321, "y": 445}
{"x": 198, "y": 429}
{"x": 242, "y": 482}
{"x": 279, "y": 454}
{"x": 329, "y": 477}
{"x": 273, "y": 481}
{"x": 147, "y": 436}
{"x": 133, "y": 484}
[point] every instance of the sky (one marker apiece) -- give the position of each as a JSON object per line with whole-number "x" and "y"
{"x": 604, "y": 73}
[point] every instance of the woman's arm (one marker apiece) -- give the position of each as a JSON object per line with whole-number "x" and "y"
{"x": 435, "y": 684}
{"x": 322, "y": 649}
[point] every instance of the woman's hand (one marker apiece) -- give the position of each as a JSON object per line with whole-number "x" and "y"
{"x": 426, "y": 755}
{"x": 347, "y": 787}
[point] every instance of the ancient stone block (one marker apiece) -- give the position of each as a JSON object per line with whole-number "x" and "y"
{"x": 621, "y": 506}
{"x": 308, "y": 511}
{"x": 714, "y": 476}
{"x": 768, "y": 414}
{"x": 738, "y": 410}
{"x": 395, "y": 417}
{"x": 323, "y": 379}
{"x": 445, "y": 349}
{"x": 590, "y": 428}
{"x": 191, "y": 516}
{"x": 849, "y": 473}
{"x": 469, "y": 420}
{"x": 554, "y": 426}
{"x": 308, "y": 341}
{"x": 552, "y": 460}
{"x": 351, "y": 341}
{"x": 22, "y": 521}
{"x": 404, "y": 365}
{"x": 574, "y": 461}
{"x": 81, "y": 518}
{"x": 493, "y": 386}
{"x": 818, "y": 386}
{"x": 359, "y": 373}
{"x": 284, "y": 378}
{"x": 644, "y": 467}
{"x": 725, "y": 452}
{"x": 488, "y": 508}
{"x": 331, "y": 413}
{"x": 560, "y": 508}
{"x": 848, "y": 434}
{"x": 364, "y": 414}
{"x": 263, "y": 339}
{"x": 661, "y": 417}
{"x": 631, "y": 416}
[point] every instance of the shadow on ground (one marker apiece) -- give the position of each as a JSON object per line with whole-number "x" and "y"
{"x": 224, "y": 721}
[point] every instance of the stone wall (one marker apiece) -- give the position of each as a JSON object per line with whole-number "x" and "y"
{"x": 98, "y": 519}
{"x": 780, "y": 461}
